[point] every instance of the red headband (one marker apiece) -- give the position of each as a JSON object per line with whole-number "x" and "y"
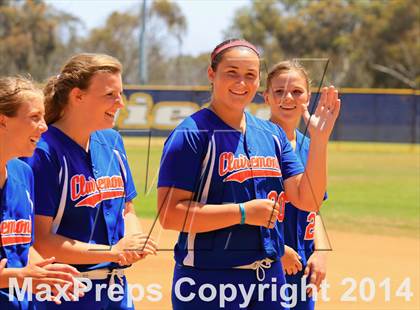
{"x": 233, "y": 44}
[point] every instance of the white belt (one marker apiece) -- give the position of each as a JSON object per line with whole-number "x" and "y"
{"x": 104, "y": 273}
{"x": 259, "y": 267}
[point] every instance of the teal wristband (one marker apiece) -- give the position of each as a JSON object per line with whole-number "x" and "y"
{"x": 243, "y": 215}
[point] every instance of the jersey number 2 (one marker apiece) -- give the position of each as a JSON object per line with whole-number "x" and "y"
{"x": 310, "y": 228}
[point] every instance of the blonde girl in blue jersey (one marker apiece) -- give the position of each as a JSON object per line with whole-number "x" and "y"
{"x": 21, "y": 125}
{"x": 288, "y": 95}
{"x": 84, "y": 195}
{"x": 223, "y": 178}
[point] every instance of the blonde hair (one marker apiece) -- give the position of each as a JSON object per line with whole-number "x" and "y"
{"x": 287, "y": 66}
{"x": 77, "y": 72}
{"x": 13, "y": 91}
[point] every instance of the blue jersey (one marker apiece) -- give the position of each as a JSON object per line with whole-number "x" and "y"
{"x": 299, "y": 225}
{"x": 16, "y": 219}
{"x": 221, "y": 165}
{"x": 84, "y": 192}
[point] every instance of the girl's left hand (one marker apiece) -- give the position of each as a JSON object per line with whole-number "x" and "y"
{"x": 316, "y": 270}
{"x": 321, "y": 123}
{"x": 291, "y": 261}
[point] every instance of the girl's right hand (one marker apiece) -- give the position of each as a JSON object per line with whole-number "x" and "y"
{"x": 132, "y": 248}
{"x": 291, "y": 261}
{"x": 321, "y": 123}
{"x": 261, "y": 212}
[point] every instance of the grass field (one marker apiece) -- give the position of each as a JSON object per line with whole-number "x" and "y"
{"x": 372, "y": 187}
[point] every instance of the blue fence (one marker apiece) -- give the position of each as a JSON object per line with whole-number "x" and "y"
{"x": 366, "y": 115}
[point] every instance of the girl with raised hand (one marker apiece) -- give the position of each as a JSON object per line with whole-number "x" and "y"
{"x": 222, "y": 183}
{"x": 288, "y": 95}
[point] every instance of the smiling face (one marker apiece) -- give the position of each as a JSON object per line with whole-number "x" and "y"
{"x": 287, "y": 96}
{"x": 102, "y": 100}
{"x": 23, "y": 131}
{"x": 236, "y": 79}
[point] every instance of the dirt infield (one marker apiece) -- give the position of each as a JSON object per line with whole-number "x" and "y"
{"x": 355, "y": 256}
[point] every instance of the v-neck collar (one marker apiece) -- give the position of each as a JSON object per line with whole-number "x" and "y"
{"x": 219, "y": 120}
{"x": 64, "y": 136}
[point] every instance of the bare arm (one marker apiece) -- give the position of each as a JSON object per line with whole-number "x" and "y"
{"x": 135, "y": 252}
{"x": 306, "y": 191}
{"x": 34, "y": 256}
{"x": 131, "y": 222}
{"x": 316, "y": 267}
{"x": 178, "y": 212}
{"x": 7, "y": 273}
{"x": 320, "y": 238}
{"x": 127, "y": 251}
{"x": 68, "y": 250}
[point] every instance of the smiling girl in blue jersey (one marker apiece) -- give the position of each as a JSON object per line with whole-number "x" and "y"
{"x": 21, "y": 125}
{"x": 288, "y": 95}
{"x": 83, "y": 184}
{"x": 223, "y": 181}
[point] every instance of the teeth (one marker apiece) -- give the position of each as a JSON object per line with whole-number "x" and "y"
{"x": 236, "y": 93}
{"x": 288, "y": 108}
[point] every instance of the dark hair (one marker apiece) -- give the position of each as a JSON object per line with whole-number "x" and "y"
{"x": 15, "y": 90}
{"x": 77, "y": 72}
{"x": 287, "y": 66}
{"x": 217, "y": 58}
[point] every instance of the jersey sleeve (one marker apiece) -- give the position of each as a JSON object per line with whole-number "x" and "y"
{"x": 130, "y": 188}
{"x": 289, "y": 163}
{"x": 46, "y": 183}
{"x": 181, "y": 160}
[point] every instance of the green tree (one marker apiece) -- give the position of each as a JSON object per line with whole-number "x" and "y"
{"x": 187, "y": 70}
{"x": 369, "y": 43}
{"x": 395, "y": 39}
{"x": 172, "y": 15}
{"x": 120, "y": 37}
{"x": 31, "y": 37}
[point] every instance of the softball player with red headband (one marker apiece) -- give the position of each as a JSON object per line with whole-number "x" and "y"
{"x": 83, "y": 184}
{"x": 21, "y": 125}
{"x": 222, "y": 184}
{"x": 288, "y": 95}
